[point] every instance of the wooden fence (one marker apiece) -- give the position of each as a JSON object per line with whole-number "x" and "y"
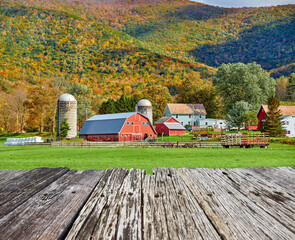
{"x": 134, "y": 144}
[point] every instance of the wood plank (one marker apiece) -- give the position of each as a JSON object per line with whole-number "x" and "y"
{"x": 284, "y": 178}
{"x": 170, "y": 211}
{"x": 50, "y": 213}
{"x": 269, "y": 197}
{"x": 100, "y": 216}
{"x": 6, "y": 175}
{"x": 233, "y": 214}
{"x": 19, "y": 189}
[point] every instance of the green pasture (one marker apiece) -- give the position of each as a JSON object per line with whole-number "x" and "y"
{"x": 29, "y": 157}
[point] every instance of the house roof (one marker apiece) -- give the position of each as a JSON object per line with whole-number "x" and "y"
{"x": 174, "y": 126}
{"x": 186, "y": 108}
{"x": 285, "y": 110}
{"x": 162, "y": 120}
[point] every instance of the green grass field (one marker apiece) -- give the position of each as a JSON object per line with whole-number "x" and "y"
{"x": 29, "y": 157}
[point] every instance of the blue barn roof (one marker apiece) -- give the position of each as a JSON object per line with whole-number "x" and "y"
{"x": 105, "y": 123}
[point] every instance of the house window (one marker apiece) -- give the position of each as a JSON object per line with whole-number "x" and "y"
{"x": 128, "y": 123}
{"x": 190, "y": 116}
{"x": 288, "y": 132}
{"x": 206, "y": 123}
{"x": 194, "y": 123}
{"x": 132, "y": 123}
{"x": 287, "y": 122}
{"x": 181, "y": 123}
{"x": 189, "y": 123}
{"x": 142, "y": 123}
{"x": 200, "y": 116}
{"x": 220, "y": 123}
{"x": 176, "y": 116}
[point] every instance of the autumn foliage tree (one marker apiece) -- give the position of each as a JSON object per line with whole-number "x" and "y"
{"x": 193, "y": 89}
{"x": 159, "y": 96}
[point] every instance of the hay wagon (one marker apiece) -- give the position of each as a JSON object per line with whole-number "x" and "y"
{"x": 245, "y": 140}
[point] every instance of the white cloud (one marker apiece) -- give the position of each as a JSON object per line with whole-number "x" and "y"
{"x": 246, "y": 3}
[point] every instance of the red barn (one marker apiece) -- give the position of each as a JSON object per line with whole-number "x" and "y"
{"x": 117, "y": 127}
{"x": 169, "y": 126}
{"x": 285, "y": 111}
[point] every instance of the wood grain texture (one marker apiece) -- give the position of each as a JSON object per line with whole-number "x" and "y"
{"x": 6, "y": 175}
{"x": 49, "y": 213}
{"x": 171, "y": 211}
{"x": 233, "y": 214}
{"x": 272, "y": 198}
{"x": 19, "y": 189}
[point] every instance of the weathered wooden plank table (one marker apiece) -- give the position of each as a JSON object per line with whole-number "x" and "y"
{"x": 248, "y": 203}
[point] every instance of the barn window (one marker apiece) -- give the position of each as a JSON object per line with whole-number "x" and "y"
{"x": 147, "y": 123}
{"x": 128, "y": 123}
{"x": 132, "y": 123}
{"x": 151, "y": 135}
{"x": 142, "y": 123}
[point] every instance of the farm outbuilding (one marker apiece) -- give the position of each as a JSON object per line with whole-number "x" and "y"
{"x": 288, "y": 118}
{"x": 130, "y": 126}
{"x": 168, "y": 126}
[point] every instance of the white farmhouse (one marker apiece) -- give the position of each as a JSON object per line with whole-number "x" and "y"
{"x": 289, "y": 125}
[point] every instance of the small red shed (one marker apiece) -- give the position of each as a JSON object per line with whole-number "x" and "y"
{"x": 169, "y": 126}
{"x": 131, "y": 126}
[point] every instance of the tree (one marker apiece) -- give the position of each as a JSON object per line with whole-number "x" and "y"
{"x": 273, "y": 123}
{"x": 81, "y": 93}
{"x": 19, "y": 106}
{"x": 281, "y": 88}
{"x": 193, "y": 89}
{"x": 238, "y": 114}
{"x": 291, "y": 87}
{"x": 243, "y": 82}
{"x": 41, "y": 106}
{"x": 7, "y": 116}
{"x": 159, "y": 96}
{"x": 64, "y": 128}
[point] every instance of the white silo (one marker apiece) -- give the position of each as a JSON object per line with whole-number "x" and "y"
{"x": 67, "y": 108}
{"x": 144, "y": 107}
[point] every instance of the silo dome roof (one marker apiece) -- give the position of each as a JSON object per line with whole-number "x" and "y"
{"x": 144, "y": 103}
{"x": 67, "y": 98}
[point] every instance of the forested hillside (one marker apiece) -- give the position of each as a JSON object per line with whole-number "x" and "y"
{"x": 103, "y": 49}
{"x": 38, "y": 44}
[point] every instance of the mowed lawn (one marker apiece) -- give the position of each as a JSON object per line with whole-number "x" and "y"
{"x": 29, "y": 157}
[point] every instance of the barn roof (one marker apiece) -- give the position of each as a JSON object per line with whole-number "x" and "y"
{"x": 105, "y": 123}
{"x": 186, "y": 108}
{"x": 162, "y": 120}
{"x": 285, "y": 110}
{"x": 174, "y": 126}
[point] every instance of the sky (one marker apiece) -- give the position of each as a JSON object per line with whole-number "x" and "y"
{"x": 246, "y": 3}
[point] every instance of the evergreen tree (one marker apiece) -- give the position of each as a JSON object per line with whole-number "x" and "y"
{"x": 291, "y": 87}
{"x": 64, "y": 128}
{"x": 273, "y": 123}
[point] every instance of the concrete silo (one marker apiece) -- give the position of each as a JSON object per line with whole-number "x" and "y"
{"x": 67, "y": 108}
{"x": 144, "y": 107}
